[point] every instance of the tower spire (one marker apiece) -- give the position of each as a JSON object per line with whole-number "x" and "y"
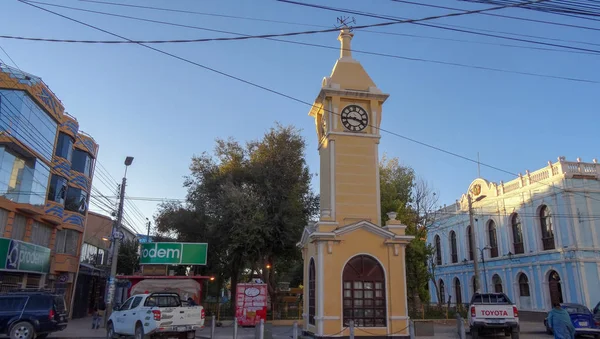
{"x": 345, "y": 38}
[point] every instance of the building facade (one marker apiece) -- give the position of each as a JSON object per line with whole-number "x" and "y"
{"x": 93, "y": 264}
{"x": 537, "y": 239}
{"x": 46, "y": 171}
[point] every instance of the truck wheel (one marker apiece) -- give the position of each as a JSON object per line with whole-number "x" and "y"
{"x": 474, "y": 333}
{"x": 139, "y": 331}
{"x": 22, "y": 330}
{"x": 514, "y": 335}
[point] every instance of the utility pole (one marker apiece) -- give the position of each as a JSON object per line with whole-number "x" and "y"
{"x": 148, "y": 237}
{"x": 114, "y": 255}
{"x": 472, "y": 243}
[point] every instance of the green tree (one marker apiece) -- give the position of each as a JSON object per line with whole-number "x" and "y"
{"x": 250, "y": 203}
{"x": 414, "y": 202}
{"x": 128, "y": 259}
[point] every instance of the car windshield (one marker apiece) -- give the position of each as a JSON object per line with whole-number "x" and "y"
{"x": 576, "y": 309}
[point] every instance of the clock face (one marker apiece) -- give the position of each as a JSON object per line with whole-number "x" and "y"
{"x": 354, "y": 118}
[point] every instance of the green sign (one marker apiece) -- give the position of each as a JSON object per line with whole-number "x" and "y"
{"x": 22, "y": 256}
{"x": 173, "y": 253}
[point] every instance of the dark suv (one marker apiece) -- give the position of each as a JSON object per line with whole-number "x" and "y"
{"x": 28, "y": 315}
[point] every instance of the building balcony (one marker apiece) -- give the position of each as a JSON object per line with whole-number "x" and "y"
{"x": 53, "y": 212}
{"x": 69, "y": 125}
{"x": 73, "y": 219}
{"x": 519, "y": 248}
{"x": 61, "y": 166}
{"x": 64, "y": 263}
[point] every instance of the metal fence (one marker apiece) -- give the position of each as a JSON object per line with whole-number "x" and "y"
{"x": 438, "y": 311}
{"x": 281, "y": 311}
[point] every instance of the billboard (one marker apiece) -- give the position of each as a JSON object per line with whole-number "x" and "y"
{"x": 22, "y": 256}
{"x": 250, "y": 304}
{"x": 173, "y": 253}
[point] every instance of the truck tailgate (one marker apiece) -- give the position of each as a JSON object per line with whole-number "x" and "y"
{"x": 181, "y": 316}
{"x": 486, "y": 311}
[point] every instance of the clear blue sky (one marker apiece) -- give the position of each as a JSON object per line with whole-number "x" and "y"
{"x": 162, "y": 111}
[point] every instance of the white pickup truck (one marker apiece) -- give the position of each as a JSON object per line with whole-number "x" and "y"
{"x": 155, "y": 315}
{"x": 493, "y": 313}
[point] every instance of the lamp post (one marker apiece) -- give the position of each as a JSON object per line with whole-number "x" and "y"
{"x": 114, "y": 248}
{"x": 483, "y": 262}
{"x": 472, "y": 243}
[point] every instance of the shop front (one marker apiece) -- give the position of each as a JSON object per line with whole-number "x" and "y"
{"x": 22, "y": 265}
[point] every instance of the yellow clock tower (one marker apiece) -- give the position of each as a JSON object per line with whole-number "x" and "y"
{"x": 354, "y": 268}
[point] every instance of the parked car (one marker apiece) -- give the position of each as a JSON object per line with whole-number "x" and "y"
{"x": 155, "y": 315}
{"x": 491, "y": 313}
{"x": 581, "y": 318}
{"x": 28, "y": 315}
{"x": 597, "y": 315}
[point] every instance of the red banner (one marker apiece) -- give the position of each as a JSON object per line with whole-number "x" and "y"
{"x": 250, "y": 304}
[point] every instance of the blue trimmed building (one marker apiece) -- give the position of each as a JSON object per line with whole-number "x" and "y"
{"x": 537, "y": 239}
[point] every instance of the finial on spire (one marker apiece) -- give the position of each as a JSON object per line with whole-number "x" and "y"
{"x": 345, "y": 36}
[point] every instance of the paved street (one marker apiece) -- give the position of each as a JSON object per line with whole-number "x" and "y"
{"x": 81, "y": 328}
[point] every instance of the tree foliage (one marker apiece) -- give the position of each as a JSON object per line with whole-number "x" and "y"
{"x": 414, "y": 202}
{"x": 128, "y": 261}
{"x": 250, "y": 203}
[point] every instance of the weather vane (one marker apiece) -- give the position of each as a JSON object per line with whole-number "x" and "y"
{"x": 344, "y": 21}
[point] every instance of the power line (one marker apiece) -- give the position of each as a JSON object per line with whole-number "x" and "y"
{"x": 243, "y": 36}
{"x": 501, "y": 15}
{"x": 323, "y": 26}
{"x": 273, "y": 91}
{"x": 387, "y": 17}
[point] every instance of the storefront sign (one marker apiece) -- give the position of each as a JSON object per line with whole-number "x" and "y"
{"x": 250, "y": 304}
{"x": 21, "y": 256}
{"x": 173, "y": 253}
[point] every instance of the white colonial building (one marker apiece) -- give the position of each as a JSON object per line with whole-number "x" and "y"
{"x": 537, "y": 238}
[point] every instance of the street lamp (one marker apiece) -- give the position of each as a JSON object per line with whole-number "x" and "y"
{"x": 472, "y": 240}
{"x": 483, "y": 262}
{"x": 114, "y": 248}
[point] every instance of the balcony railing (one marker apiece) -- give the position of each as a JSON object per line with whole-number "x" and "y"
{"x": 494, "y": 252}
{"x": 519, "y": 249}
{"x": 548, "y": 243}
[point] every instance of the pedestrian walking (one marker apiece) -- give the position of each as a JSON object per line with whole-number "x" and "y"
{"x": 560, "y": 323}
{"x": 96, "y": 319}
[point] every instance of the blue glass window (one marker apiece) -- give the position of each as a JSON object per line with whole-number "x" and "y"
{"x": 22, "y": 180}
{"x": 58, "y": 189}
{"x": 64, "y": 146}
{"x": 27, "y": 122}
{"x": 82, "y": 162}
{"x": 76, "y": 200}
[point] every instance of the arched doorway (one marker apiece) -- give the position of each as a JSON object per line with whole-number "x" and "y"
{"x": 457, "y": 291}
{"x": 555, "y": 287}
{"x": 497, "y": 282}
{"x": 524, "y": 292}
{"x": 442, "y": 296}
{"x": 364, "y": 292}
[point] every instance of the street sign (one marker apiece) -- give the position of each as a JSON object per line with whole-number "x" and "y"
{"x": 173, "y": 253}
{"x": 25, "y": 257}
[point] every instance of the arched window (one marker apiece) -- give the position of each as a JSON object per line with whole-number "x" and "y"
{"x": 438, "y": 250}
{"x": 453, "y": 248}
{"x": 364, "y": 292}
{"x": 470, "y": 241}
{"x": 457, "y": 291}
{"x": 524, "y": 285}
{"x": 442, "y": 296}
{"x": 517, "y": 233}
{"x": 493, "y": 239}
{"x": 497, "y": 282}
{"x": 311, "y": 292}
{"x": 547, "y": 229}
{"x": 555, "y": 287}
